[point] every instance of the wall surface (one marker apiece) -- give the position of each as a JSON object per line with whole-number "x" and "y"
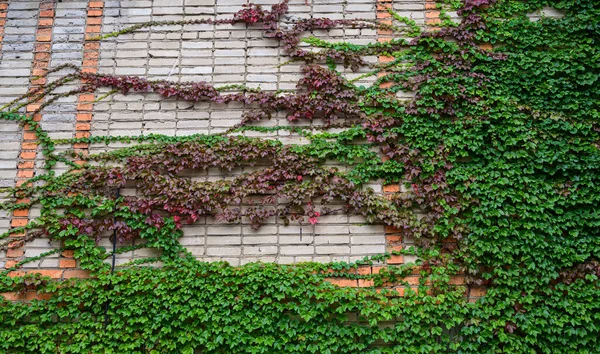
{"x": 41, "y": 35}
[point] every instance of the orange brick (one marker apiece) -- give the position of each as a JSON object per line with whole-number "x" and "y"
{"x": 94, "y": 21}
{"x": 82, "y": 126}
{"x": 384, "y": 15}
{"x": 42, "y": 37}
{"x": 21, "y": 212}
{"x": 19, "y": 183}
{"x": 384, "y": 35}
{"x": 46, "y": 22}
{"x": 90, "y": 55}
{"x": 32, "y": 107}
{"x": 10, "y": 263}
{"x": 394, "y": 248}
{"x": 342, "y": 282}
{"x": 41, "y": 66}
{"x": 85, "y": 106}
{"x": 67, "y": 263}
{"x": 92, "y": 29}
{"x": 417, "y": 270}
{"x": 12, "y": 253}
{"x": 88, "y": 97}
{"x": 16, "y": 244}
{"x": 29, "y": 136}
{"x": 364, "y": 270}
{"x": 384, "y": 5}
{"x": 432, "y": 14}
{"x": 44, "y": 296}
{"x": 457, "y": 280}
{"x": 47, "y": 13}
{"x": 396, "y": 259}
{"x": 412, "y": 280}
{"x": 12, "y": 296}
{"x": 17, "y": 273}
{"x": 29, "y": 145}
{"x": 42, "y": 47}
{"x": 76, "y": 274}
{"x": 42, "y": 56}
{"x": 486, "y": 46}
{"x": 385, "y": 59}
{"x": 25, "y": 164}
{"x": 68, "y": 253}
{"x": 38, "y": 71}
{"x": 52, "y": 273}
{"x": 89, "y": 70}
{"x": 84, "y": 117}
{"x": 25, "y": 174}
{"x": 39, "y": 82}
{"x": 389, "y": 239}
{"x": 430, "y": 5}
{"x": 18, "y": 222}
{"x": 94, "y": 13}
{"x": 391, "y": 188}
{"x": 80, "y": 135}
{"x": 90, "y": 62}
{"x": 377, "y": 269}
{"x": 365, "y": 283}
{"x": 81, "y": 145}
{"x": 91, "y": 45}
{"x": 478, "y": 292}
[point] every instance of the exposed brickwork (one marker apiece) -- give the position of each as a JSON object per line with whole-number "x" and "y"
{"x": 432, "y": 14}
{"x": 3, "y": 10}
{"x": 91, "y": 53}
{"x": 29, "y": 145}
{"x": 218, "y": 54}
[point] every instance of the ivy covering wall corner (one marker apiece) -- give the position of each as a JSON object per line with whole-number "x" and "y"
{"x": 499, "y": 149}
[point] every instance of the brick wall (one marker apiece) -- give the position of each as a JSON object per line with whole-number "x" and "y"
{"x": 41, "y": 35}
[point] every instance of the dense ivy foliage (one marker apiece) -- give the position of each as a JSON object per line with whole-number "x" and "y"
{"x": 499, "y": 151}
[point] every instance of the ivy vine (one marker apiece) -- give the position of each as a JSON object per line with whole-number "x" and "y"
{"x": 498, "y": 151}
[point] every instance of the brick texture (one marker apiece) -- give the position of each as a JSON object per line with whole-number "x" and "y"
{"x": 41, "y": 35}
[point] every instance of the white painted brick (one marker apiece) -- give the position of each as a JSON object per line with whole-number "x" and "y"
{"x": 296, "y": 250}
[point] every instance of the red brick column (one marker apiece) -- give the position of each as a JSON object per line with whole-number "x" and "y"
{"x": 383, "y": 35}
{"x": 91, "y": 53}
{"x": 392, "y": 235}
{"x": 432, "y": 14}
{"x": 3, "y": 11}
{"x": 29, "y": 144}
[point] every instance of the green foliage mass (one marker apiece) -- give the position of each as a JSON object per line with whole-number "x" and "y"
{"x": 520, "y": 127}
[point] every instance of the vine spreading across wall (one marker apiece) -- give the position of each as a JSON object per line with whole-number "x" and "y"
{"x": 499, "y": 149}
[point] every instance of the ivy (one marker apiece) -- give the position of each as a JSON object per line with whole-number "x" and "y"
{"x": 498, "y": 154}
